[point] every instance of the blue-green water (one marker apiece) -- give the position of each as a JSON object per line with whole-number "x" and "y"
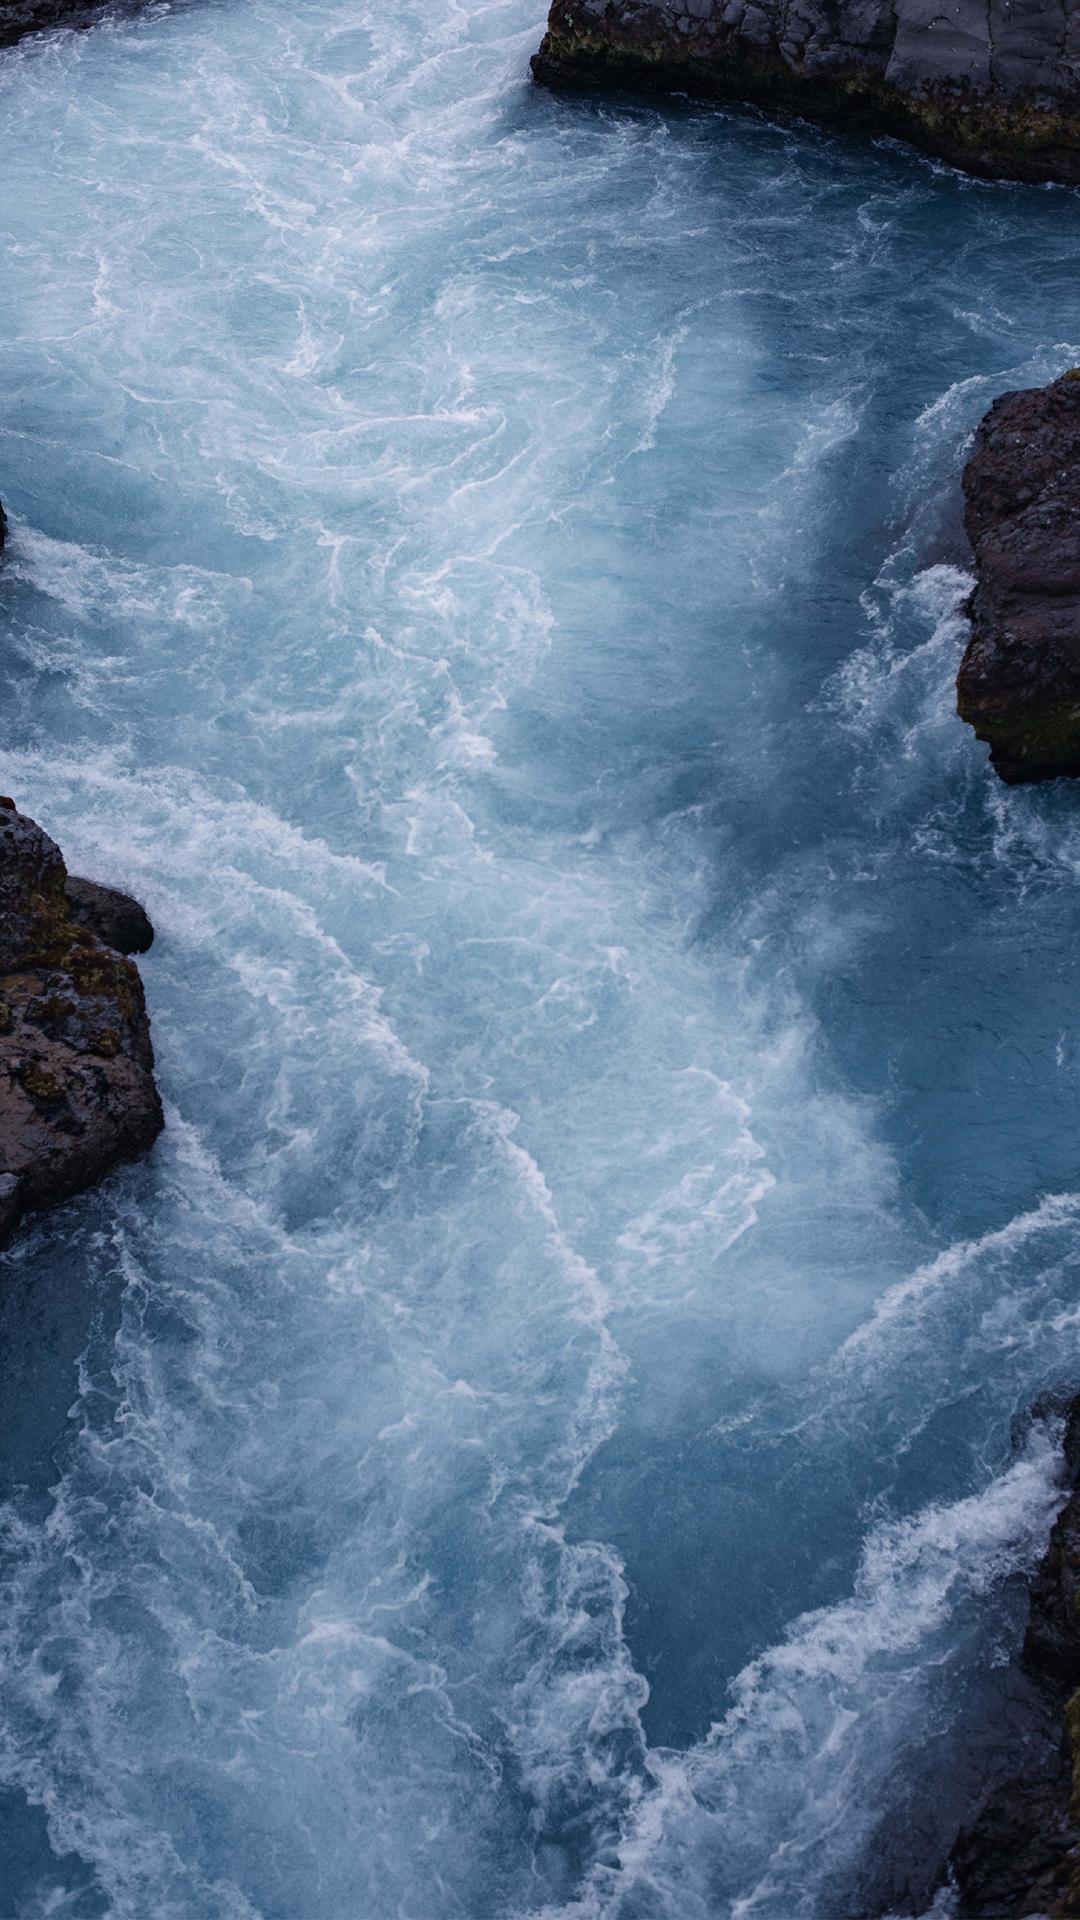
{"x": 538, "y": 1436}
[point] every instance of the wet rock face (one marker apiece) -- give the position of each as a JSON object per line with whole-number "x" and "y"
{"x": 77, "y": 1090}
{"x": 1019, "y": 684}
{"x": 989, "y": 84}
{"x": 19, "y": 17}
{"x": 118, "y": 921}
{"x": 1021, "y": 1858}
{"x": 28, "y": 16}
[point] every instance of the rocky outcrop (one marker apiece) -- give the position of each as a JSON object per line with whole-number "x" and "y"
{"x": 117, "y": 920}
{"x": 18, "y": 17}
{"x": 1021, "y": 1858}
{"x": 77, "y": 1090}
{"x": 992, "y": 85}
{"x": 1019, "y": 684}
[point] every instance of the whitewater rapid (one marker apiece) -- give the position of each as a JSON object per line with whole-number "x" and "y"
{"x": 544, "y": 1433}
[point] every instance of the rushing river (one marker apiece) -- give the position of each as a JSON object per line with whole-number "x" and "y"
{"x": 540, "y": 1436}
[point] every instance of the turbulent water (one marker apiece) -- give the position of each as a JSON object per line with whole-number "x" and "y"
{"x": 540, "y": 1436}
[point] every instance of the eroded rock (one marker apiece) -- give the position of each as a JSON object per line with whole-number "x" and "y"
{"x": 19, "y": 17}
{"x": 1021, "y": 1858}
{"x": 77, "y": 1091}
{"x": 1019, "y": 684}
{"x": 118, "y": 920}
{"x": 992, "y": 85}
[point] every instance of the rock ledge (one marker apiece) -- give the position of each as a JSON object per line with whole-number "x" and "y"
{"x": 1019, "y": 683}
{"x": 991, "y": 85}
{"x": 1020, "y": 1860}
{"x": 77, "y": 1091}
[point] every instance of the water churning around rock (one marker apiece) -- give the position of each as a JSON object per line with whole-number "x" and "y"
{"x": 536, "y": 1439}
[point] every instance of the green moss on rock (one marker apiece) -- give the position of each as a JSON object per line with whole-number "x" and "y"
{"x": 1032, "y": 134}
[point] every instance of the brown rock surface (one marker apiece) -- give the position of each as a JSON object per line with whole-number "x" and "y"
{"x": 1019, "y": 684}
{"x": 77, "y": 1090}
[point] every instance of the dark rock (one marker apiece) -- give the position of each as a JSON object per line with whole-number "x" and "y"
{"x": 1021, "y": 1857}
{"x": 9, "y": 1204}
{"x": 115, "y": 917}
{"x": 3, "y": 527}
{"x": 991, "y": 85}
{"x": 77, "y": 1090}
{"x": 1052, "y": 1643}
{"x": 19, "y": 17}
{"x": 1019, "y": 684}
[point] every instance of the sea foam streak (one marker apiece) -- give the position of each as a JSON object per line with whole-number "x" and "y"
{"x": 537, "y": 1437}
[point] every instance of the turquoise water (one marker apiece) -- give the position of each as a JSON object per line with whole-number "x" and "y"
{"x": 539, "y": 1437}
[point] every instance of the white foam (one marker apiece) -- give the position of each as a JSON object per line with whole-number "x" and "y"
{"x": 783, "y": 1797}
{"x": 949, "y": 1269}
{"x": 434, "y": 700}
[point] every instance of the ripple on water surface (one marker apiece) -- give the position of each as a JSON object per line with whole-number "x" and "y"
{"x": 537, "y": 1437}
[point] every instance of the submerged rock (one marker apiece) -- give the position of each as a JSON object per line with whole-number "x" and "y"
{"x": 77, "y": 1091}
{"x": 1021, "y": 1857}
{"x": 991, "y": 85}
{"x": 1019, "y": 683}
